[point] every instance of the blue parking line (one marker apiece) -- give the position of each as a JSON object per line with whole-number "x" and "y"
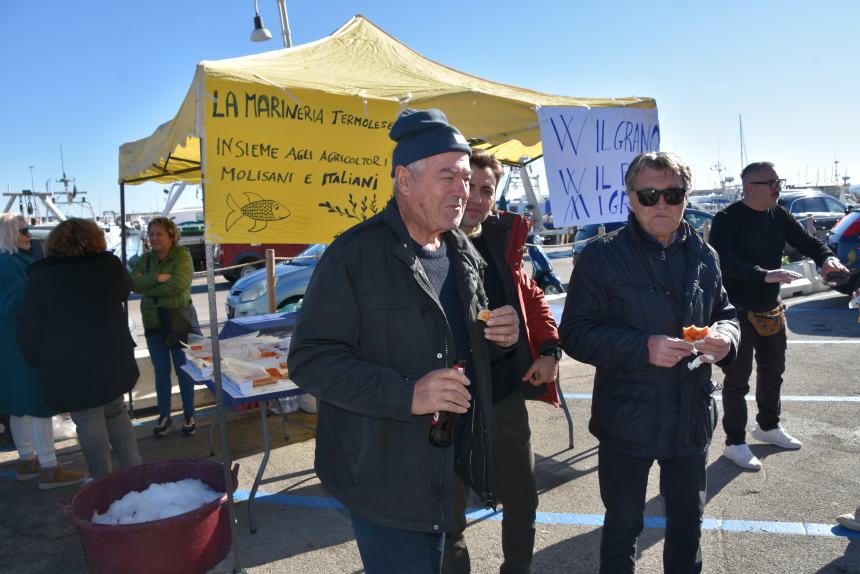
{"x": 822, "y": 342}
{"x": 571, "y": 519}
{"x": 568, "y": 519}
{"x": 751, "y": 398}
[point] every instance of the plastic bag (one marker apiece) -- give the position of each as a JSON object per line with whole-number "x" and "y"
{"x": 64, "y": 427}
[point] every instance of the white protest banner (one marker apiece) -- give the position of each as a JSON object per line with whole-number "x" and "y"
{"x": 586, "y": 152}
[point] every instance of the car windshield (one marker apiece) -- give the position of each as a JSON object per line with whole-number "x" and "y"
{"x": 309, "y": 255}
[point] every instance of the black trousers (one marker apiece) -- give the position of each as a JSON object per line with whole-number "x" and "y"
{"x": 770, "y": 365}
{"x": 515, "y": 486}
{"x": 623, "y": 481}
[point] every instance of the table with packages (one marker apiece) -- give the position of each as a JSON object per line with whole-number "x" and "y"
{"x": 237, "y": 394}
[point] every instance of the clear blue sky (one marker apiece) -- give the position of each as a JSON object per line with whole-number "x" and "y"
{"x": 92, "y": 75}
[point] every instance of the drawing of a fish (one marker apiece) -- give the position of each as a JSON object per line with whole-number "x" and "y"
{"x": 260, "y": 211}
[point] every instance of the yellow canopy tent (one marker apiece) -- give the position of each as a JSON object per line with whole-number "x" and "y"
{"x": 261, "y": 126}
{"x": 360, "y": 66}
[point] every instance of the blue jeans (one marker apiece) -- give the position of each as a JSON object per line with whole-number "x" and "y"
{"x": 161, "y": 358}
{"x": 386, "y": 550}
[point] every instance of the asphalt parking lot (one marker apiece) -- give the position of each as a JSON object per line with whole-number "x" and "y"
{"x": 779, "y": 520}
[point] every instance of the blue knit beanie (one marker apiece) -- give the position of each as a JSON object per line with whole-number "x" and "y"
{"x": 422, "y": 133}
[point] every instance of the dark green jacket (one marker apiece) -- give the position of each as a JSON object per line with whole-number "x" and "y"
{"x": 171, "y": 294}
{"x": 371, "y": 325}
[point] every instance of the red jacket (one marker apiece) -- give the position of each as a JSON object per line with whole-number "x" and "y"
{"x": 539, "y": 327}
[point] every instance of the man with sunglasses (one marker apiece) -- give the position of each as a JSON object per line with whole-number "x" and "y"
{"x": 750, "y": 236}
{"x": 628, "y": 299}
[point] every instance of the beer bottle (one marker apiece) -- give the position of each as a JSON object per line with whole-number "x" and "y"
{"x": 444, "y": 424}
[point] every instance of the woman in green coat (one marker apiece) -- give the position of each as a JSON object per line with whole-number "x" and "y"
{"x": 163, "y": 277}
{"x": 20, "y": 391}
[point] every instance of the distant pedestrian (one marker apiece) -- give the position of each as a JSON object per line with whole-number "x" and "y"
{"x": 163, "y": 276}
{"x": 750, "y": 236}
{"x": 629, "y": 297}
{"x": 21, "y": 395}
{"x": 74, "y": 331}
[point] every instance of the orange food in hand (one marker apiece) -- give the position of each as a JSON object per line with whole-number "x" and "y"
{"x": 693, "y": 333}
{"x": 484, "y": 315}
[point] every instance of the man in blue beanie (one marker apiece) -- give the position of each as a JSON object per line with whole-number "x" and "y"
{"x": 392, "y": 306}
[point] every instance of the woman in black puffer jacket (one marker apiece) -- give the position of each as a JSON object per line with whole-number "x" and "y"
{"x": 74, "y": 332}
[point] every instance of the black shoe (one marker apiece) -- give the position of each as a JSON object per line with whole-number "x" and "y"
{"x": 190, "y": 426}
{"x": 163, "y": 427}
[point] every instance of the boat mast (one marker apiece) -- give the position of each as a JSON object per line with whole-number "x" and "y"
{"x": 743, "y": 144}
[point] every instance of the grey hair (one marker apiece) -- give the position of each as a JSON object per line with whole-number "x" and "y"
{"x": 415, "y": 168}
{"x": 754, "y": 168}
{"x": 10, "y": 226}
{"x": 658, "y": 161}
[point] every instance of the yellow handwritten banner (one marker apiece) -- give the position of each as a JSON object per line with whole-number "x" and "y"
{"x": 292, "y": 166}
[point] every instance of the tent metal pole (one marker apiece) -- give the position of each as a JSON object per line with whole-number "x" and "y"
{"x": 219, "y": 398}
{"x": 124, "y": 257}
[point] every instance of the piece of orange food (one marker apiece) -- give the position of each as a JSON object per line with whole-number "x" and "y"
{"x": 484, "y": 315}
{"x": 693, "y": 333}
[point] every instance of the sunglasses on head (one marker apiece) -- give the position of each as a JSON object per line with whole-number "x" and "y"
{"x": 672, "y": 195}
{"x": 24, "y": 231}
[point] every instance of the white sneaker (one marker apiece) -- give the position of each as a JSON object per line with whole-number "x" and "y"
{"x": 851, "y": 521}
{"x": 741, "y": 455}
{"x": 777, "y": 437}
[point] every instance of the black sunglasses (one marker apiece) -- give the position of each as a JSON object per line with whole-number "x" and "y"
{"x": 773, "y": 184}
{"x": 672, "y": 195}
{"x": 24, "y": 231}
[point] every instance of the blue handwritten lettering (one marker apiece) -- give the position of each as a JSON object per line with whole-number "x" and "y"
{"x": 600, "y": 178}
{"x": 600, "y": 136}
{"x": 636, "y": 137}
{"x": 572, "y": 206}
{"x": 570, "y": 180}
{"x": 566, "y": 136}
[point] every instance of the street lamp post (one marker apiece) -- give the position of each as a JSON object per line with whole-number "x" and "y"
{"x": 261, "y": 33}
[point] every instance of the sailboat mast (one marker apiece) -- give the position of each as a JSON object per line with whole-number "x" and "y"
{"x": 743, "y": 144}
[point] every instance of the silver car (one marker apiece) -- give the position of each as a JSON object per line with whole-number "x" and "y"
{"x": 248, "y": 295}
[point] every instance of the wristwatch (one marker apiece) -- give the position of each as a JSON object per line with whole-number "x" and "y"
{"x": 554, "y": 352}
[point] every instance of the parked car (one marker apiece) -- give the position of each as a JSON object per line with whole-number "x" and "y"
{"x": 248, "y": 296}
{"x": 825, "y": 210}
{"x": 239, "y": 253}
{"x": 694, "y": 217}
{"x": 844, "y": 241}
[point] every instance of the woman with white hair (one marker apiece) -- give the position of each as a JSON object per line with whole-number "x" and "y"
{"x": 21, "y": 394}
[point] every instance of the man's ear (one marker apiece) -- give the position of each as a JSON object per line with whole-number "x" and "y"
{"x": 403, "y": 178}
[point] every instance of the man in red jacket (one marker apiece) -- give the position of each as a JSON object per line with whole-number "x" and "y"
{"x": 528, "y": 370}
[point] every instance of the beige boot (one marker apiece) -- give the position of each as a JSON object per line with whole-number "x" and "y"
{"x": 57, "y": 476}
{"x": 28, "y": 469}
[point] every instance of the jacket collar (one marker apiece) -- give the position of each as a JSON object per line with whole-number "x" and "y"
{"x": 646, "y": 240}
{"x": 455, "y": 238}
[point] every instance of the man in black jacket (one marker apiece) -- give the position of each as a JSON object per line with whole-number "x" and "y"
{"x": 628, "y": 299}
{"x": 750, "y": 236}
{"x": 392, "y": 304}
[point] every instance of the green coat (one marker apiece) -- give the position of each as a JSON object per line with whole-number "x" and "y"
{"x": 171, "y": 294}
{"x": 20, "y": 391}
